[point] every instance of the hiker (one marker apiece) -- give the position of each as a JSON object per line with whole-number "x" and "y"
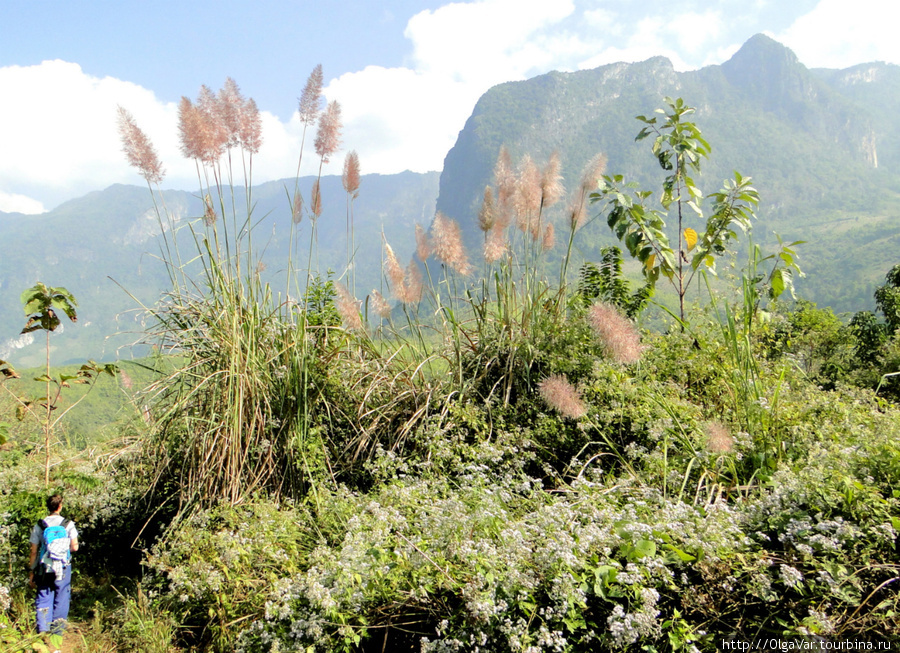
{"x": 53, "y": 539}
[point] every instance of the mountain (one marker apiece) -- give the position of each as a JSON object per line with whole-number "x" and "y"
{"x": 819, "y": 144}
{"x": 105, "y": 249}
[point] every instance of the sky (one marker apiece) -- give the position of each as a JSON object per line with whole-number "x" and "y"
{"x": 406, "y": 73}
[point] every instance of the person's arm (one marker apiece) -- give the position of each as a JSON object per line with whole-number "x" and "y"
{"x": 31, "y": 563}
{"x": 73, "y": 544}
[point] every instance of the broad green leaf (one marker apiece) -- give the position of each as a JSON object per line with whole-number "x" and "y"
{"x": 643, "y": 549}
{"x": 650, "y": 262}
{"x": 682, "y": 555}
{"x": 777, "y": 283}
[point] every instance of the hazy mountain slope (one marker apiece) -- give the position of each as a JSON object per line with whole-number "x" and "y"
{"x": 810, "y": 139}
{"x": 104, "y": 247}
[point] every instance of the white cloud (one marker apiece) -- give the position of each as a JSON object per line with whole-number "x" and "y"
{"x": 834, "y": 35}
{"x": 411, "y": 126}
{"x": 66, "y": 142}
{"x": 14, "y": 203}
{"x": 66, "y": 124}
{"x": 458, "y": 40}
{"x": 459, "y": 51}
{"x": 58, "y": 138}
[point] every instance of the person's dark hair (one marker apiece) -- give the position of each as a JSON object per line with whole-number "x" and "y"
{"x": 54, "y": 502}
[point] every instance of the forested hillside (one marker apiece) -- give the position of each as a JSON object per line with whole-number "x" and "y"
{"x": 819, "y": 145}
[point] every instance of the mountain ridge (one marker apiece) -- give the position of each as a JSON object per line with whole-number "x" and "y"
{"x": 103, "y": 246}
{"x": 812, "y": 140}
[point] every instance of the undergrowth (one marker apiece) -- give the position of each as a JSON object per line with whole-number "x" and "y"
{"x": 501, "y": 464}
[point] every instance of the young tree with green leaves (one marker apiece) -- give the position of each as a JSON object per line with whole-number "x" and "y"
{"x": 679, "y": 147}
{"x": 42, "y": 305}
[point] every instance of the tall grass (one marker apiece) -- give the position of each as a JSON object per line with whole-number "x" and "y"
{"x": 280, "y": 392}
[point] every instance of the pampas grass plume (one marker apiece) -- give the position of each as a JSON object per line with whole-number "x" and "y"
{"x": 350, "y": 178}
{"x": 311, "y": 97}
{"x": 562, "y": 396}
{"x": 504, "y": 178}
{"x": 393, "y": 271}
{"x": 528, "y": 194}
{"x": 487, "y": 216}
{"x": 230, "y": 105}
{"x": 549, "y": 238}
{"x": 413, "y": 284}
{"x": 447, "y": 244}
{"x": 328, "y": 138}
{"x": 380, "y": 305}
{"x": 551, "y": 181}
{"x": 592, "y": 172}
{"x": 138, "y": 149}
{"x": 315, "y": 204}
{"x": 348, "y": 308}
{"x": 619, "y": 336}
{"x": 423, "y": 247}
{"x": 251, "y": 127}
{"x": 214, "y": 137}
{"x": 297, "y": 209}
{"x": 495, "y": 246}
{"x": 718, "y": 438}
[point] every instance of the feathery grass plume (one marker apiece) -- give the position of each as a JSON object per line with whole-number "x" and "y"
{"x": 297, "y": 209}
{"x": 549, "y": 238}
{"x": 487, "y": 216}
{"x": 592, "y": 173}
{"x": 315, "y": 202}
{"x": 423, "y": 247}
{"x": 413, "y": 284}
{"x": 619, "y": 335}
{"x": 209, "y": 214}
{"x": 215, "y": 134}
{"x": 250, "y": 131}
{"x": 577, "y": 210}
{"x": 381, "y": 306}
{"x": 190, "y": 128}
{"x": 504, "y": 178}
{"x": 350, "y": 177}
{"x": 447, "y": 244}
{"x": 393, "y": 271}
{"x": 527, "y": 199}
{"x": 496, "y": 245}
{"x": 348, "y": 308}
{"x": 718, "y": 438}
{"x": 311, "y": 97}
{"x": 562, "y": 396}
{"x": 231, "y": 103}
{"x": 328, "y": 138}
{"x": 551, "y": 182}
{"x": 138, "y": 149}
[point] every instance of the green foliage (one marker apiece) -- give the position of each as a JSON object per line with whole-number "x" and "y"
{"x": 604, "y": 282}
{"x": 870, "y": 335}
{"x": 321, "y": 488}
{"x": 815, "y": 339}
{"x": 679, "y": 149}
{"x": 887, "y": 298}
{"x": 39, "y": 303}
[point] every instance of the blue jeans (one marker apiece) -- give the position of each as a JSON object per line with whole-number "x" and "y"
{"x": 52, "y": 603}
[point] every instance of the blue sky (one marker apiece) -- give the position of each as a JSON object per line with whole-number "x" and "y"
{"x": 406, "y": 73}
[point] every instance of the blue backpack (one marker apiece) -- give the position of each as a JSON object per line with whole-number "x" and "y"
{"x": 55, "y": 544}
